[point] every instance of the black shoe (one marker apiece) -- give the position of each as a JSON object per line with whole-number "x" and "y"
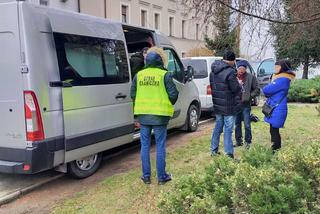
{"x": 238, "y": 145}
{"x": 165, "y": 180}
{"x": 230, "y": 156}
{"x": 213, "y": 154}
{"x": 146, "y": 180}
{"x": 247, "y": 146}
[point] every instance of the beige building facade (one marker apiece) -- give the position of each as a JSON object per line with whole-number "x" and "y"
{"x": 167, "y": 16}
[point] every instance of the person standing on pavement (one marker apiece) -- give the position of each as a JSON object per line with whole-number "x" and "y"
{"x": 250, "y": 90}
{"x": 154, "y": 94}
{"x": 276, "y": 93}
{"x": 226, "y": 101}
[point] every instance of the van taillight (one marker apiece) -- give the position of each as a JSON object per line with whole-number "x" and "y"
{"x": 209, "y": 92}
{"x": 33, "y": 117}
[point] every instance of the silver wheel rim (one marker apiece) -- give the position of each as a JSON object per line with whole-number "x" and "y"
{"x": 87, "y": 163}
{"x": 193, "y": 118}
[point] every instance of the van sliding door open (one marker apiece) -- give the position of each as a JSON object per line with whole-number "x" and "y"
{"x": 97, "y": 108}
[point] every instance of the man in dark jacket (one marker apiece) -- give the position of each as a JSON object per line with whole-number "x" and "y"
{"x": 250, "y": 91}
{"x": 137, "y": 61}
{"x": 226, "y": 101}
{"x": 154, "y": 94}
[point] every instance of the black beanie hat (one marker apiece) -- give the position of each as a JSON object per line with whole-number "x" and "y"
{"x": 229, "y": 55}
{"x": 285, "y": 65}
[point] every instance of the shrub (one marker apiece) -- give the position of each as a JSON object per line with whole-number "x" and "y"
{"x": 305, "y": 91}
{"x": 287, "y": 182}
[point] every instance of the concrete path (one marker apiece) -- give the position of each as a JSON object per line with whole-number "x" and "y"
{"x": 12, "y": 186}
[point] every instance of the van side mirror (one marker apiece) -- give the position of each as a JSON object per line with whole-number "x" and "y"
{"x": 261, "y": 72}
{"x": 189, "y": 74}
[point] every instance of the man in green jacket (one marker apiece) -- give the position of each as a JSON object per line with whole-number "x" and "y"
{"x": 154, "y": 94}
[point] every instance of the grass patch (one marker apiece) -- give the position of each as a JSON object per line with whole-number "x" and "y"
{"x": 125, "y": 193}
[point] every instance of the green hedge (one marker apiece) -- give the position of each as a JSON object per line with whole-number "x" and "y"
{"x": 305, "y": 91}
{"x": 287, "y": 182}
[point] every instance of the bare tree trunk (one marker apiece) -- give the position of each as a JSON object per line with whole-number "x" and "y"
{"x": 305, "y": 68}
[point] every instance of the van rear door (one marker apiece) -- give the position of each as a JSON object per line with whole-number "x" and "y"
{"x": 12, "y": 126}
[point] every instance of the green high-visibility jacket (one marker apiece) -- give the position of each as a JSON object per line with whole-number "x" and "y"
{"x": 152, "y": 97}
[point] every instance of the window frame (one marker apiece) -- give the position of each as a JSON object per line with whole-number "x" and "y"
{"x": 146, "y": 11}
{"x": 197, "y": 31}
{"x": 159, "y": 21}
{"x": 128, "y": 12}
{"x": 171, "y": 27}
{"x": 63, "y": 63}
{"x": 183, "y": 29}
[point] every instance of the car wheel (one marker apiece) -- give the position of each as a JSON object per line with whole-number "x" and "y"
{"x": 193, "y": 118}
{"x": 84, "y": 167}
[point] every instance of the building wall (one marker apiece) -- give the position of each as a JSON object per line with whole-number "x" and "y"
{"x": 111, "y": 9}
{"x": 68, "y": 5}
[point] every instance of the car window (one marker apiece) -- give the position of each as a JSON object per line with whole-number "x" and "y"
{"x": 266, "y": 68}
{"x": 174, "y": 65}
{"x": 91, "y": 61}
{"x": 199, "y": 65}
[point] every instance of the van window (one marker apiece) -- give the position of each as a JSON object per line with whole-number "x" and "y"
{"x": 85, "y": 59}
{"x": 199, "y": 66}
{"x": 91, "y": 61}
{"x": 174, "y": 65}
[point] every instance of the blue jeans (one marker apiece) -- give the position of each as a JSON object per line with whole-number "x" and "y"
{"x": 160, "y": 133}
{"x": 226, "y": 123}
{"x": 244, "y": 116}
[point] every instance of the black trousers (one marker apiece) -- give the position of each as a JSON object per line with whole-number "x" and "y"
{"x": 275, "y": 138}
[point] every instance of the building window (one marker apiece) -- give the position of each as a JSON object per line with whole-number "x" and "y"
{"x": 44, "y": 2}
{"x": 183, "y": 28}
{"x": 171, "y": 23}
{"x": 124, "y": 13}
{"x": 157, "y": 21}
{"x": 197, "y": 32}
{"x": 144, "y": 20}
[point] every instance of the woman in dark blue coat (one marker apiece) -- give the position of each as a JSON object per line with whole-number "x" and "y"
{"x": 277, "y": 92}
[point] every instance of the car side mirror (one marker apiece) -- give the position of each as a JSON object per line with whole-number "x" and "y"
{"x": 261, "y": 72}
{"x": 189, "y": 74}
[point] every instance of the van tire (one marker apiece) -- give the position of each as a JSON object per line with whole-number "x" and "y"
{"x": 82, "y": 168}
{"x": 193, "y": 118}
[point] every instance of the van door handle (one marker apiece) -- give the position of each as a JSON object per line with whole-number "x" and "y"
{"x": 60, "y": 84}
{"x": 121, "y": 96}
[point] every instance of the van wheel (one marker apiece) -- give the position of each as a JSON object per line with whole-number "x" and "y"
{"x": 193, "y": 118}
{"x": 84, "y": 167}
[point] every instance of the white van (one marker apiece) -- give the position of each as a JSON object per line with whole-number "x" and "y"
{"x": 202, "y": 70}
{"x": 65, "y": 88}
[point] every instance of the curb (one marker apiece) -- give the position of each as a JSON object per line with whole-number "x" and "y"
{"x": 16, "y": 194}
{"x": 206, "y": 121}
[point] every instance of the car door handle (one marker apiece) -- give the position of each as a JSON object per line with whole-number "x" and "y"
{"x": 121, "y": 96}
